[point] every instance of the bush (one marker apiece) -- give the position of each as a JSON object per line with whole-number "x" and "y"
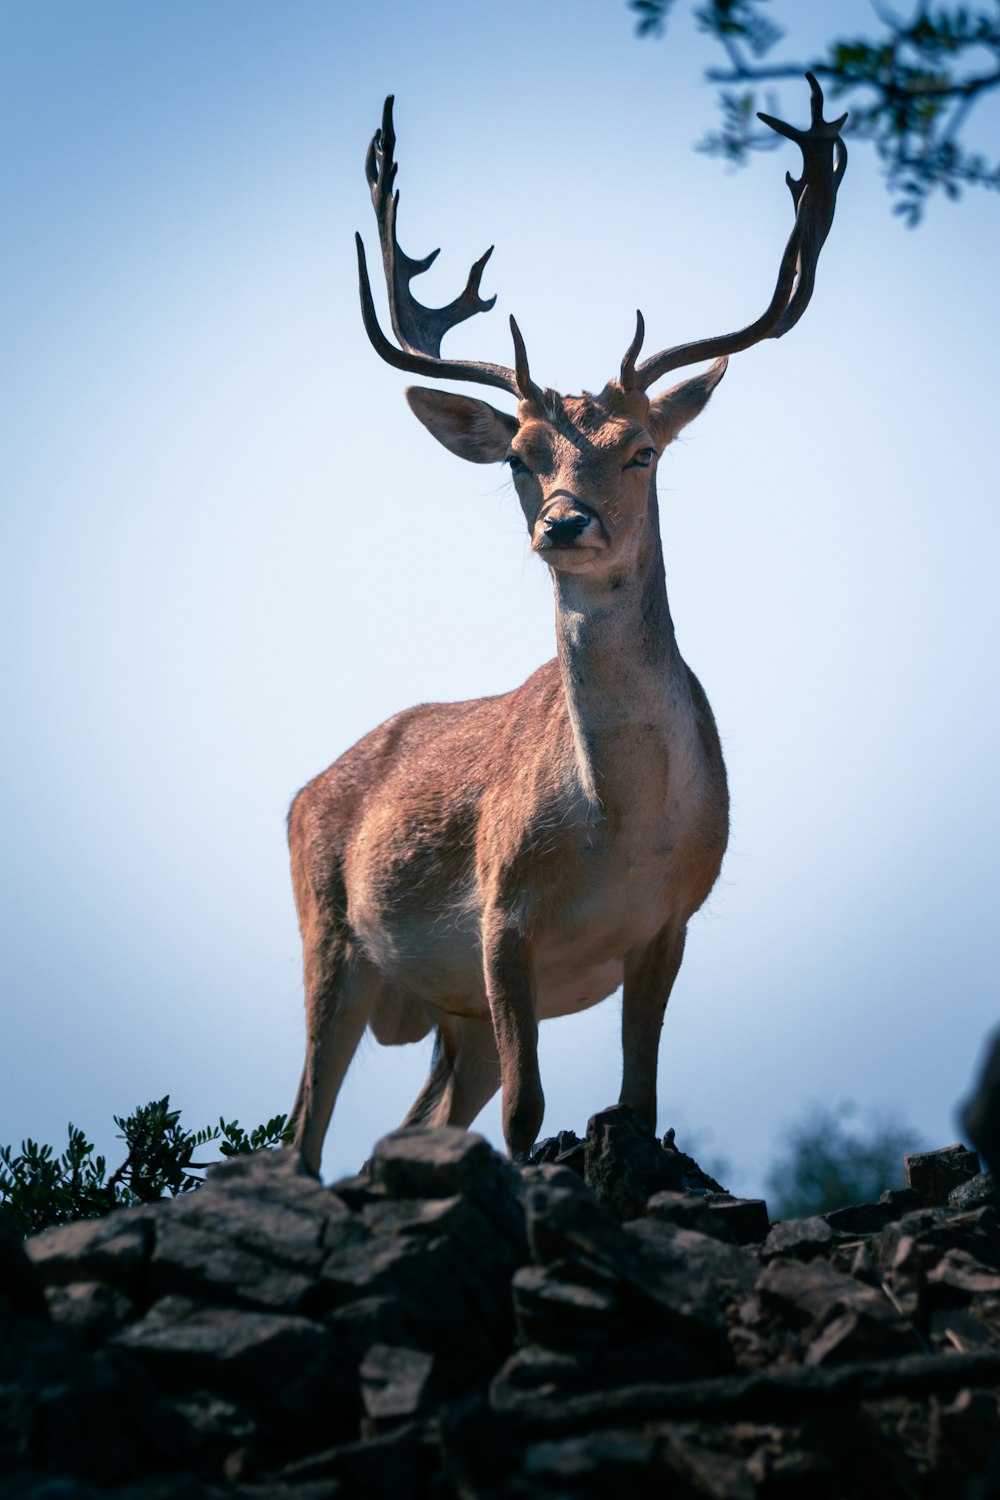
{"x": 39, "y": 1188}
{"x": 827, "y": 1164}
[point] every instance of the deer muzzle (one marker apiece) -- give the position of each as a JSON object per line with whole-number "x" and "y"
{"x": 564, "y": 525}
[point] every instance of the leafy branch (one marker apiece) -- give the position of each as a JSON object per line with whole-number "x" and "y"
{"x": 911, "y": 88}
{"x": 39, "y": 1189}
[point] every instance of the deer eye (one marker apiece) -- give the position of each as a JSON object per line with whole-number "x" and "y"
{"x": 642, "y": 459}
{"x": 517, "y": 465}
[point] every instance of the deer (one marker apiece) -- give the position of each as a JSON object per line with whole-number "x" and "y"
{"x": 475, "y": 868}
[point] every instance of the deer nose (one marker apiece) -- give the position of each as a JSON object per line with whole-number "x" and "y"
{"x": 562, "y": 531}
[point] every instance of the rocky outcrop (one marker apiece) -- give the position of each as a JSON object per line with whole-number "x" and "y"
{"x": 603, "y": 1321}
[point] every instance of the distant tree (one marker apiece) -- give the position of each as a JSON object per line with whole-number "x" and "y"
{"x": 39, "y": 1188}
{"x": 828, "y": 1163}
{"x": 910, "y": 87}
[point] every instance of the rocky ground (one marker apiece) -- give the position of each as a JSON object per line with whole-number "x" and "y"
{"x": 605, "y": 1321}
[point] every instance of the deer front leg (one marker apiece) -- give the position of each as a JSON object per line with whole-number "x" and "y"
{"x": 510, "y": 992}
{"x": 649, "y": 978}
{"x": 337, "y": 1010}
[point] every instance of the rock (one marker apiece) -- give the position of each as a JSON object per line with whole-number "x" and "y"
{"x": 566, "y": 1304}
{"x": 606, "y": 1463}
{"x": 443, "y": 1162}
{"x": 803, "y": 1238}
{"x": 563, "y": 1150}
{"x": 195, "y": 1256}
{"x": 958, "y": 1328}
{"x": 903, "y": 1200}
{"x": 563, "y": 1218}
{"x": 396, "y": 1382}
{"x": 744, "y": 1219}
{"x": 287, "y": 1370}
{"x": 803, "y": 1293}
{"x": 624, "y": 1163}
{"x": 962, "y": 1277}
{"x": 908, "y": 1279}
{"x": 976, "y": 1192}
{"x": 688, "y": 1211}
{"x": 934, "y": 1174}
{"x": 397, "y": 1462}
{"x": 862, "y": 1333}
{"x": 92, "y": 1308}
{"x": 724, "y": 1269}
{"x": 114, "y": 1249}
{"x": 862, "y": 1218}
{"x": 737, "y": 1221}
{"x": 482, "y": 1260}
{"x": 964, "y": 1429}
{"x": 451, "y": 1325}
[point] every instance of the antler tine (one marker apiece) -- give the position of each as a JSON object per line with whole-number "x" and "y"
{"x": 527, "y": 389}
{"x": 627, "y": 377}
{"x": 418, "y": 329}
{"x": 814, "y": 194}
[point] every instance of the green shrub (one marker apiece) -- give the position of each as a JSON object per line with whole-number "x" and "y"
{"x": 39, "y": 1188}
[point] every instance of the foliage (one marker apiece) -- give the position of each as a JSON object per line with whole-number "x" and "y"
{"x": 827, "y": 1164}
{"x": 39, "y": 1188}
{"x": 911, "y": 87}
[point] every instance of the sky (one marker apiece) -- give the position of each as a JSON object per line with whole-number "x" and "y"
{"x": 229, "y": 550}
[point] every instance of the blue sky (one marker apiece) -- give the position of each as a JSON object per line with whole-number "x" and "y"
{"x": 229, "y": 550}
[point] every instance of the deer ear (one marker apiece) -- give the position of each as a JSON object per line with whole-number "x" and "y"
{"x": 672, "y": 411}
{"x": 470, "y": 428}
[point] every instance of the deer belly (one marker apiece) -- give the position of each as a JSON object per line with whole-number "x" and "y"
{"x": 565, "y": 988}
{"x": 436, "y": 959}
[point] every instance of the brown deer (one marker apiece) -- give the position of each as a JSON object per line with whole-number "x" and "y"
{"x": 478, "y": 867}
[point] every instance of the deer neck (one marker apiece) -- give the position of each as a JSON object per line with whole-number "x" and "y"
{"x": 625, "y": 684}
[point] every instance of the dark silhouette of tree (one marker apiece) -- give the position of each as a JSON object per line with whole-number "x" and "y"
{"x": 830, "y": 1160}
{"x": 910, "y": 88}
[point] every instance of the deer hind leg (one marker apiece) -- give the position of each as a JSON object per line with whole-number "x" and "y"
{"x": 511, "y": 994}
{"x": 649, "y": 978}
{"x": 464, "y": 1076}
{"x": 338, "y": 1004}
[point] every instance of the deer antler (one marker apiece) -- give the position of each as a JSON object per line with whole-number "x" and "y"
{"x": 814, "y": 194}
{"x": 420, "y": 329}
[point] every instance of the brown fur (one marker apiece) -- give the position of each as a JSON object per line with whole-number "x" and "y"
{"x": 474, "y": 867}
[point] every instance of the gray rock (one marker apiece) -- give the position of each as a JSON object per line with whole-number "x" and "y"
{"x": 976, "y": 1192}
{"x": 564, "y": 1218}
{"x": 92, "y": 1308}
{"x": 958, "y": 1276}
{"x": 688, "y": 1211}
{"x": 862, "y": 1218}
{"x": 935, "y": 1174}
{"x": 396, "y": 1382}
{"x": 745, "y": 1219}
{"x": 563, "y": 1150}
{"x": 808, "y": 1292}
{"x": 725, "y": 1270}
{"x": 287, "y": 1370}
{"x": 114, "y": 1249}
{"x": 443, "y": 1162}
{"x": 866, "y": 1332}
{"x": 802, "y": 1238}
{"x": 625, "y": 1165}
{"x": 566, "y": 1304}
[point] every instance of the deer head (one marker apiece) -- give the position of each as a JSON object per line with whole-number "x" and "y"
{"x": 584, "y": 466}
